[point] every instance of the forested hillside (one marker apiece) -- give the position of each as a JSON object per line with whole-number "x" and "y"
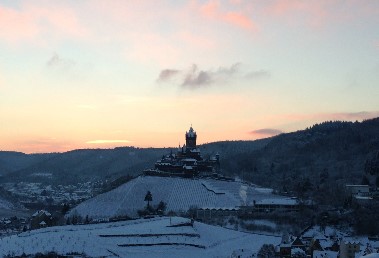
{"x": 328, "y": 153}
{"x": 321, "y": 158}
{"x": 78, "y": 165}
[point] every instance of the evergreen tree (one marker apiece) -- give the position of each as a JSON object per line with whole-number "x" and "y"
{"x": 365, "y": 180}
{"x": 148, "y": 198}
{"x": 65, "y": 208}
{"x": 161, "y": 207}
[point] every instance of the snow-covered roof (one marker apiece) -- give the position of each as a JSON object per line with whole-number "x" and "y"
{"x": 42, "y": 223}
{"x": 316, "y": 232}
{"x": 324, "y": 243}
{"x": 40, "y": 212}
{"x": 189, "y": 160}
{"x": 351, "y": 242}
{"x": 278, "y": 201}
{"x": 297, "y": 250}
{"x": 220, "y": 208}
{"x": 360, "y": 197}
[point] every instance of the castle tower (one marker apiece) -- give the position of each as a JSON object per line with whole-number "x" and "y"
{"x": 191, "y": 139}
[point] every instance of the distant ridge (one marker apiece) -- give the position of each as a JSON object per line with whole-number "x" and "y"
{"x": 334, "y": 148}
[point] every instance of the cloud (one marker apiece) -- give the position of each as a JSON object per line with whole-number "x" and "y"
{"x": 266, "y": 132}
{"x": 32, "y": 23}
{"x": 167, "y": 74}
{"x": 194, "y": 77}
{"x": 239, "y": 20}
{"x": 57, "y": 61}
{"x": 319, "y": 13}
{"x": 233, "y": 69}
{"x": 107, "y": 141}
{"x": 45, "y": 145}
{"x": 60, "y": 64}
{"x": 212, "y": 10}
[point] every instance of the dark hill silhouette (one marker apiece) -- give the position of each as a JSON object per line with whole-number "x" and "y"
{"x": 330, "y": 152}
{"x": 81, "y": 165}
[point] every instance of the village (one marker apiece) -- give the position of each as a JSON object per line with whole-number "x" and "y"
{"x": 237, "y": 205}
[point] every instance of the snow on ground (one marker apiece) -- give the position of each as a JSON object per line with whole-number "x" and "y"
{"x": 179, "y": 194}
{"x": 325, "y": 254}
{"x": 4, "y": 204}
{"x": 373, "y": 255}
{"x": 263, "y": 222}
{"x": 138, "y": 238}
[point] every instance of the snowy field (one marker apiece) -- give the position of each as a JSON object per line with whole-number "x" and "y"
{"x": 138, "y": 238}
{"x": 179, "y": 194}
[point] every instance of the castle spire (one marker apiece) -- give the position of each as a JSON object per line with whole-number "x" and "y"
{"x": 191, "y": 138}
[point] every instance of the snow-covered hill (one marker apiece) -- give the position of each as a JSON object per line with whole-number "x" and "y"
{"x": 179, "y": 194}
{"x": 139, "y": 238}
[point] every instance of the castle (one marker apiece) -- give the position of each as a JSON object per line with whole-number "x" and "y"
{"x": 187, "y": 162}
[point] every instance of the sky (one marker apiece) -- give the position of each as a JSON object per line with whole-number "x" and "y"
{"x": 102, "y": 74}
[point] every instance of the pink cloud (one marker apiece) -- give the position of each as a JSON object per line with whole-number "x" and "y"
{"x": 315, "y": 14}
{"x": 239, "y": 20}
{"x": 42, "y": 145}
{"x": 265, "y": 132}
{"x": 321, "y": 12}
{"x": 36, "y": 23}
{"x": 210, "y": 9}
{"x": 213, "y": 10}
{"x": 16, "y": 25}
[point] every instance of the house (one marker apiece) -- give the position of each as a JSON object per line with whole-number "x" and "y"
{"x": 285, "y": 250}
{"x": 297, "y": 243}
{"x": 212, "y": 212}
{"x": 362, "y": 190}
{"x": 349, "y": 248}
{"x": 283, "y": 204}
{"x": 41, "y": 219}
